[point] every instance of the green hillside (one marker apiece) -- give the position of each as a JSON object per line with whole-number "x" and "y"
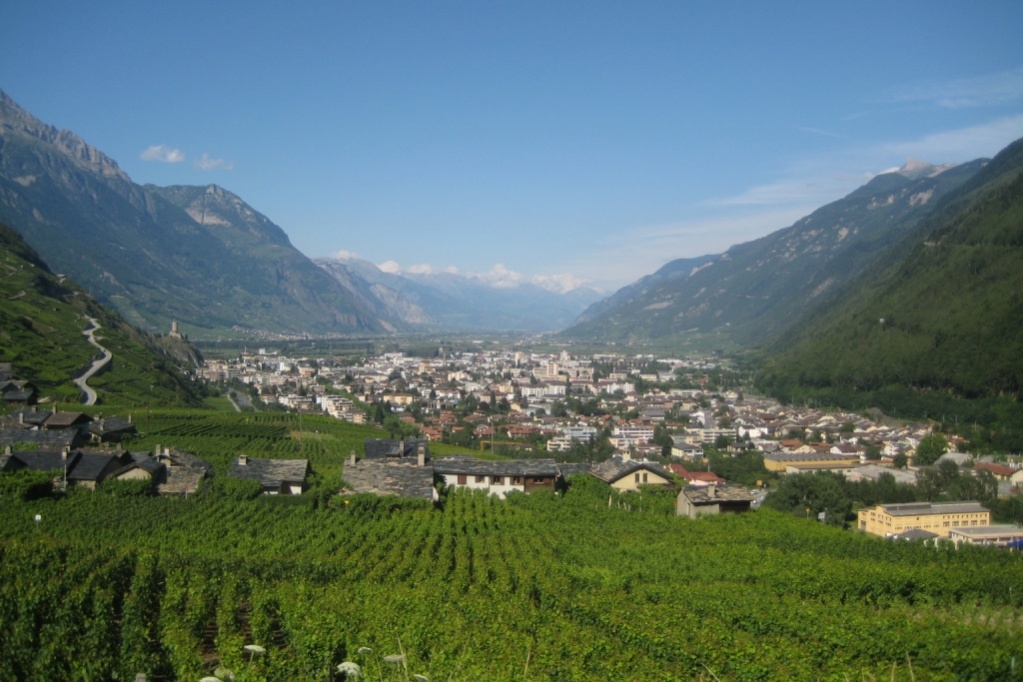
{"x": 42, "y": 317}
{"x": 937, "y": 327}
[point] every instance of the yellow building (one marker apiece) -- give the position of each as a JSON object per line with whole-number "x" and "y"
{"x": 938, "y": 518}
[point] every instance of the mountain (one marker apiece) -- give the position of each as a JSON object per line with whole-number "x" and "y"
{"x": 199, "y": 255}
{"x": 450, "y": 302}
{"x": 41, "y": 323}
{"x": 678, "y": 269}
{"x": 754, "y": 290}
{"x": 938, "y": 318}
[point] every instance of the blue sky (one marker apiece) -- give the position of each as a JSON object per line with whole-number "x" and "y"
{"x": 560, "y": 142}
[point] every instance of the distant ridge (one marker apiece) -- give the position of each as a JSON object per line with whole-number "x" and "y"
{"x": 198, "y": 255}
{"x": 753, "y": 291}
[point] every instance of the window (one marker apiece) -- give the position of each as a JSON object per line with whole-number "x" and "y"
{"x": 496, "y": 480}
{"x": 481, "y": 479}
{"x": 516, "y": 480}
{"x": 461, "y": 479}
{"x": 644, "y": 477}
{"x": 637, "y": 477}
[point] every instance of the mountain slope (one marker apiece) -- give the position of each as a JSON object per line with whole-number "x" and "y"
{"x": 754, "y": 290}
{"x": 449, "y": 302}
{"x": 944, "y": 313}
{"x": 198, "y": 255}
{"x": 42, "y": 318}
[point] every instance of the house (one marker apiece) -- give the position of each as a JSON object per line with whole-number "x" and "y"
{"x": 173, "y": 471}
{"x": 873, "y": 472}
{"x": 695, "y": 477}
{"x": 705, "y": 500}
{"x": 111, "y": 429}
{"x": 939, "y": 518}
{"x": 403, "y": 477}
{"x": 1001, "y": 472}
{"x": 384, "y": 448}
{"x": 18, "y": 393}
{"x": 80, "y": 468}
{"x": 996, "y": 536}
{"x": 623, "y": 475}
{"x": 277, "y": 476}
{"x": 498, "y": 477}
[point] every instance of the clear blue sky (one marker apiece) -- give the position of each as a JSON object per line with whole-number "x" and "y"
{"x": 582, "y": 141}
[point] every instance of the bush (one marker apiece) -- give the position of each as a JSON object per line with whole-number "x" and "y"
{"x": 128, "y": 488}
{"x": 26, "y": 485}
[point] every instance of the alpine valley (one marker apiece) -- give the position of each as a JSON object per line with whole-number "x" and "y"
{"x": 205, "y": 258}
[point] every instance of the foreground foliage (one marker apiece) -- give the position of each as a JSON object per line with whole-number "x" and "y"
{"x": 538, "y": 587}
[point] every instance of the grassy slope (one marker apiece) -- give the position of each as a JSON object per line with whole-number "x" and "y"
{"x": 41, "y": 324}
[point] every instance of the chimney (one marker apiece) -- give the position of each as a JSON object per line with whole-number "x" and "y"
{"x": 421, "y": 455}
{"x": 7, "y": 449}
{"x": 401, "y": 448}
{"x": 65, "y": 452}
{"x": 712, "y": 490}
{"x": 157, "y": 450}
{"x": 243, "y": 460}
{"x": 21, "y": 417}
{"x": 351, "y": 457}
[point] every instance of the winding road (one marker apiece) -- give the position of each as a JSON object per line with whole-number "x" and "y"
{"x": 97, "y": 364}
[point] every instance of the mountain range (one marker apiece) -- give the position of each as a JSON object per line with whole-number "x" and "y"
{"x": 755, "y": 290}
{"x": 206, "y": 258}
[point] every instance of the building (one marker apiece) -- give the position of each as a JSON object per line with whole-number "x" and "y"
{"x": 277, "y": 476}
{"x": 705, "y": 500}
{"x": 498, "y": 477}
{"x": 625, "y": 475}
{"x": 994, "y": 536}
{"x": 887, "y": 520}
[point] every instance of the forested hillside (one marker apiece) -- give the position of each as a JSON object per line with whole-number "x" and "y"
{"x": 42, "y": 318}
{"x": 936, "y": 329}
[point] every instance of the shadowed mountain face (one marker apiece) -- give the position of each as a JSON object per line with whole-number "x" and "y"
{"x": 196, "y": 254}
{"x": 753, "y": 291}
{"x": 942, "y": 313}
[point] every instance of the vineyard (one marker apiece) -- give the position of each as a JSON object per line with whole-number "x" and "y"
{"x": 532, "y": 588}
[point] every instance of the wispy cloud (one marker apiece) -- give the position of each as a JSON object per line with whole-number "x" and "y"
{"x": 816, "y": 131}
{"x": 640, "y": 251}
{"x": 994, "y": 89}
{"x": 963, "y": 144}
{"x": 206, "y": 163}
{"x": 162, "y": 153}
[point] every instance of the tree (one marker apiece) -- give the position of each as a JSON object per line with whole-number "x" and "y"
{"x": 932, "y": 446}
{"x": 819, "y": 492}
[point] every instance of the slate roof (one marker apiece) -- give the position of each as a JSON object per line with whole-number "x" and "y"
{"x": 91, "y": 466}
{"x": 43, "y": 439}
{"x": 65, "y": 420}
{"x": 46, "y": 460}
{"x": 272, "y": 473}
{"x": 715, "y": 494}
{"x": 390, "y": 477}
{"x": 614, "y": 469}
{"x": 536, "y": 468}
{"x": 377, "y": 448}
{"x": 111, "y": 426}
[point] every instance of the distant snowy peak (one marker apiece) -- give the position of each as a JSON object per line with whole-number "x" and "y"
{"x": 914, "y": 169}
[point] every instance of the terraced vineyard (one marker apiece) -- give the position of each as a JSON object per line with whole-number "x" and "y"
{"x": 533, "y": 588}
